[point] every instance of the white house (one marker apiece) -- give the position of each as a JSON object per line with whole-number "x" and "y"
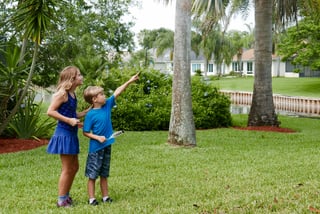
{"x": 279, "y": 68}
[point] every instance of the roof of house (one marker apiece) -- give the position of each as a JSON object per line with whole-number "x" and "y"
{"x": 248, "y": 55}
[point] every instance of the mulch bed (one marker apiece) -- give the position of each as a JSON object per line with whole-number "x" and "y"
{"x": 266, "y": 129}
{"x": 16, "y": 145}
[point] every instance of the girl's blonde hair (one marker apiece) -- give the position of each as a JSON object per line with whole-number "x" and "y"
{"x": 67, "y": 77}
{"x": 90, "y": 92}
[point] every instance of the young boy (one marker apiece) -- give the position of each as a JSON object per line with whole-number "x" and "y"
{"x": 98, "y": 127}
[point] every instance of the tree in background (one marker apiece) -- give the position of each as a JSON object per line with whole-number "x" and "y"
{"x": 164, "y": 41}
{"x": 32, "y": 17}
{"x": 91, "y": 31}
{"x": 300, "y": 44}
{"x": 159, "y": 39}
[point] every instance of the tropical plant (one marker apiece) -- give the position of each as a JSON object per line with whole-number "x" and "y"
{"x": 164, "y": 41}
{"x": 30, "y": 122}
{"x": 11, "y": 78}
{"x": 33, "y": 18}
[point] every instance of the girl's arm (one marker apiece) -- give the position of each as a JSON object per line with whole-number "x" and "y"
{"x": 99, "y": 138}
{"x": 57, "y": 100}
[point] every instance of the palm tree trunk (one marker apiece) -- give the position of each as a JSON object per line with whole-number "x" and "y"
{"x": 205, "y": 69}
{"x": 262, "y": 112}
{"x": 24, "y": 91}
{"x": 23, "y": 50}
{"x": 182, "y": 127}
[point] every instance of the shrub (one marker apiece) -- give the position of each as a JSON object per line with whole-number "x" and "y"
{"x": 30, "y": 122}
{"x": 146, "y": 104}
{"x": 211, "y": 109}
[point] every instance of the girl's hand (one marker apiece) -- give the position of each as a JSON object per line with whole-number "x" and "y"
{"x": 74, "y": 121}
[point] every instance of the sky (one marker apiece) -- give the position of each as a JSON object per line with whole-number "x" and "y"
{"x": 154, "y": 14}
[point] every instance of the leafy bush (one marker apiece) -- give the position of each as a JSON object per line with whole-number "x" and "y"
{"x": 30, "y": 122}
{"x": 211, "y": 109}
{"x": 146, "y": 105}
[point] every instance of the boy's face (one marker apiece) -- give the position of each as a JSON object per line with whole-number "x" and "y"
{"x": 99, "y": 99}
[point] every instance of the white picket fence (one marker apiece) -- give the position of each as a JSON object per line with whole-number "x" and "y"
{"x": 300, "y": 105}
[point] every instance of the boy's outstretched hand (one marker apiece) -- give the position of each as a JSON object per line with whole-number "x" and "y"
{"x": 120, "y": 89}
{"x": 134, "y": 77}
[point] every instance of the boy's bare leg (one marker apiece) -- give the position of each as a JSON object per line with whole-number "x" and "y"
{"x": 104, "y": 186}
{"x": 91, "y": 188}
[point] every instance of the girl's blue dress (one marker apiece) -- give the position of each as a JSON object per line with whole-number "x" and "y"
{"x": 65, "y": 138}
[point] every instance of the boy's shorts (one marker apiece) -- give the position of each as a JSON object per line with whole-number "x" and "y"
{"x": 98, "y": 163}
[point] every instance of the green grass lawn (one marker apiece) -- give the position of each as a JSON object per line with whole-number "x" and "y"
{"x": 230, "y": 171}
{"x": 308, "y": 87}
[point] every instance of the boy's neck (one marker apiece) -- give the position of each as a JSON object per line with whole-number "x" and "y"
{"x": 96, "y": 106}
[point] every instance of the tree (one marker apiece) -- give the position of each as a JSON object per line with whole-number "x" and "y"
{"x": 164, "y": 41}
{"x": 33, "y": 18}
{"x": 85, "y": 31}
{"x": 161, "y": 39}
{"x": 300, "y": 44}
{"x": 262, "y": 111}
{"x": 182, "y": 127}
{"x": 211, "y": 15}
{"x": 240, "y": 41}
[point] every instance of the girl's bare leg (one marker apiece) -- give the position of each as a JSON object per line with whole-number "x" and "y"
{"x": 70, "y": 167}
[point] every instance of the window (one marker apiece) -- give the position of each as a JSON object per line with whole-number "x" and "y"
{"x": 210, "y": 68}
{"x": 236, "y": 67}
{"x": 249, "y": 67}
{"x": 196, "y": 67}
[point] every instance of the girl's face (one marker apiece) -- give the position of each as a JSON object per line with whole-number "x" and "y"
{"x": 79, "y": 79}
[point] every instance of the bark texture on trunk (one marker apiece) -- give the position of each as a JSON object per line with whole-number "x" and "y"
{"x": 262, "y": 112}
{"x": 182, "y": 127}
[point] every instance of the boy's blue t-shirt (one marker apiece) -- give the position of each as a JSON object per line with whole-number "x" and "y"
{"x": 98, "y": 121}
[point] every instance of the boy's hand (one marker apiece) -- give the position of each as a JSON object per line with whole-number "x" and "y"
{"x": 134, "y": 77}
{"x": 101, "y": 139}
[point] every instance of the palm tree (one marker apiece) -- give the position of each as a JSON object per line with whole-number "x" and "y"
{"x": 262, "y": 111}
{"x": 164, "y": 41}
{"x": 33, "y": 18}
{"x": 182, "y": 127}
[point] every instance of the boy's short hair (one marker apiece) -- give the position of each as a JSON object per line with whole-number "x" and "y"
{"x": 90, "y": 92}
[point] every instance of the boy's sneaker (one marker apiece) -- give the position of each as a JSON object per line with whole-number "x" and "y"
{"x": 94, "y": 202}
{"x": 64, "y": 203}
{"x": 108, "y": 200}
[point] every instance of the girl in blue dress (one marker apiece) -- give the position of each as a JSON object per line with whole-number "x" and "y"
{"x": 65, "y": 141}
